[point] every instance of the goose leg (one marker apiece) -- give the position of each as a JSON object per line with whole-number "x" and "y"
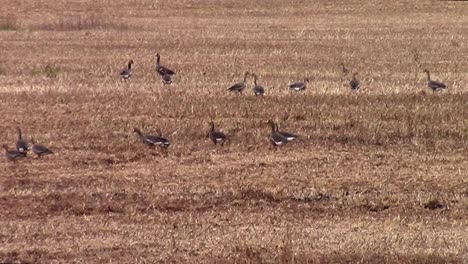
{"x": 166, "y": 152}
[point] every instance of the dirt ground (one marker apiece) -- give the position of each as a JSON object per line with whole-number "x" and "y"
{"x": 377, "y": 176}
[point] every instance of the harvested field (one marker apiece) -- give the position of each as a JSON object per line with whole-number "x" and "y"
{"x": 377, "y": 176}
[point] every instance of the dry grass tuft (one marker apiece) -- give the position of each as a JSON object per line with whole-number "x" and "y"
{"x": 49, "y": 71}
{"x": 434, "y": 204}
{"x": 9, "y": 23}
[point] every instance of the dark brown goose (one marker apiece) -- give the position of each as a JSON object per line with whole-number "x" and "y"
{"x": 217, "y": 137}
{"x": 299, "y": 86}
{"x": 240, "y": 86}
{"x": 21, "y": 144}
{"x": 434, "y": 85}
{"x": 276, "y": 139}
{"x": 13, "y": 155}
{"x": 152, "y": 141}
{"x": 354, "y": 84}
{"x": 40, "y": 150}
{"x": 162, "y": 70}
{"x": 258, "y": 89}
{"x": 127, "y": 72}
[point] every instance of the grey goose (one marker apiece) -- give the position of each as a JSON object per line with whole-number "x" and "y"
{"x": 434, "y": 85}
{"x": 289, "y": 136}
{"x": 40, "y": 150}
{"x": 240, "y": 86}
{"x": 258, "y": 89}
{"x": 276, "y": 139}
{"x": 299, "y": 86}
{"x": 162, "y": 70}
{"x": 217, "y": 137}
{"x": 13, "y": 155}
{"x": 127, "y": 72}
{"x": 152, "y": 141}
{"x": 354, "y": 84}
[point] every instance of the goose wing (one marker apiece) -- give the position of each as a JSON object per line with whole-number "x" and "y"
{"x": 297, "y": 86}
{"x": 288, "y": 136}
{"x": 14, "y": 154}
{"x": 437, "y": 85}
{"x": 41, "y": 149}
{"x": 126, "y": 73}
{"x": 162, "y": 70}
{"x": 217, "y": 136}
{"x": 156, "y": 140}
{"x": 237, "y": 87}
{"x": 277, "y": 139}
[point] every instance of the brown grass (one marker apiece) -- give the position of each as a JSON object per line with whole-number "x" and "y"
{"x": 9, "y": 23}
{"x": 377, "y": 176}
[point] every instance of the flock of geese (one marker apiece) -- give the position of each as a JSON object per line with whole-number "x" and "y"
{"x": 277, "y": 138}
{"x": 167, "y": 75}
{"x": 22, "y": 148}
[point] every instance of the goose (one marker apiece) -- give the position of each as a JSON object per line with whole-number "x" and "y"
{"x": 162, "y": 70}
{"x": 216, "y": 136}
{"x": 240, "y": 86}
{"x": 287, "y": 135}
{"x": 13, "y": 155}
{"x": 276, "y": 139}
{"x": 126, "y": 73}
{"x": 354, "y": 84}
{"x": 21, "y": 144}
{"x": 299, "y": 86}
{"x": 434, "y": 85}
{"x": 152, "y": 141}
{"x": 258, "y": 89}
{"x": 40, "y": 150}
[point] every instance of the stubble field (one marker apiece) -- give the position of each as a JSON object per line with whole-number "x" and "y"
{"x": 377, "y": 176}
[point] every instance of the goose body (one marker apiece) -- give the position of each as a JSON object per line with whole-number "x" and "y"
{"x": 167, "y": 79}
{"x": 258, "y": 89}
{"x": 354, "y": 84}
{"x": 13, "y": 155}
{"x": 40, "y": 150}
{"x": 21, "y": 144}
{"x": 240, "y": 86}
{"x": 217, "y": 137}
{"x": 299, "y": 86}
{"x": 434, "y": 85}
{"x": 287, "y": 135}
{"x": 153, "y": 140}
{"x": 276, "y": 139}
{"x": 162, "y": 70}
{"x": 126, "y": 73}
